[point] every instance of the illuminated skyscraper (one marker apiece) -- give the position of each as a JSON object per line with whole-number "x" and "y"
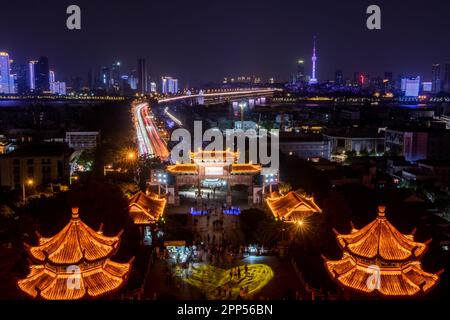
{"x": 436, "y": 78}
{"x": 32, "y": 75}
{"x": 105, "y": 79}
{"x": 411, "y": 86}
{"x": 300, "y": 77}
{"x": 42, "y": 70}
{"x": 169, "y": 85}
{"x": 152, "y": 86}
{"x": 51, "y": 77}
{"x": 5, "y": 73}
{"x": 143, "y": 86}
{"x": 313, "y": 79}
{"x": 58, "y": 87}
{"x": 115, "y": 76}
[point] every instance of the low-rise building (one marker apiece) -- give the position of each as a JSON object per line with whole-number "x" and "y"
{"x": 43, "y": 163}
{"x": 356, "y": 139}
{"x": 418, "y": 144}
{"x": 82, "y": 140}
{"x": 305, "y": 147}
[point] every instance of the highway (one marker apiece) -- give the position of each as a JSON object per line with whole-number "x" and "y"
{"x": 148, "y": 136}
{"x": 149, "y": 140}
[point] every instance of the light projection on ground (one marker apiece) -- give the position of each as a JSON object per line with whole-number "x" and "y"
{"x": 209, "y": 279}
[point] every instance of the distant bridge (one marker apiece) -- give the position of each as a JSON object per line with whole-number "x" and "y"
{"x": 218, "y": 94}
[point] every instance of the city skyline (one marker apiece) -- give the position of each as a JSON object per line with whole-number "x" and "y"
{"x": 248, "y": 39}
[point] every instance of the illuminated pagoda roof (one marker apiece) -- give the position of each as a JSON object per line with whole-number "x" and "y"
{"x": 214, "y": 156}
{"x": 380, "y": 239}
{"x": 245, "y": 168}
{"x": 292, "y": 205}
{"x": 187, "y": 168}
{"x": 93, "y": 281}
{"x": 75, "y": 243}
{"x": 74, "y": 264}
{"x": 146, "y": 208}
{"x": 379, "y": 259}
{"x": 205, "y": 157}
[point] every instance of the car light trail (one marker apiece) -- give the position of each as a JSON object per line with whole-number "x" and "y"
{"x": 148, "y": 136}
{"x": 171, "y": 116}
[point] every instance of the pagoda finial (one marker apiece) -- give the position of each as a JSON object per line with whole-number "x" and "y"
{"x": 75, "y": 213}
{"x": 381, "y": 211}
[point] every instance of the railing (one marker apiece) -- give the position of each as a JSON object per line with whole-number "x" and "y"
{"x": 137, "y": 294}
{"x": 311, "y": 292}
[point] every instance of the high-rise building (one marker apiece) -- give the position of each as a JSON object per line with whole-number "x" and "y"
{"x": 58, "y": 87}
{"x": 436, "y": 78}
{"x": 105, "y": 79}
{"x": 5, "y": 74}
{"x": 447, "y": 77}
{"x": 427, "y": 87}
{"x": 91, "y": 80}
{"x": 388, "y": 81}
{"x": 51, "y": 77}
{"x": 22, "y": 79}
{"x": 313, "y": 79}
{"x": 300, "y": 76}
{"x": 13, "y": 83}
{"x": 31, "y": 76}
{"x": 133, "y": 80}
{"x": 339, "y": 77}
{"x": 142, "y": 73}
{"x": 42, "y": 73}
{"x": 152, "y": 86}
{"x": 411, "y": 86}
{"x": 115, "y": 77}
{"x": 169, "y": 85}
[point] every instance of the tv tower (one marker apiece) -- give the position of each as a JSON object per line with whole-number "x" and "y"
{"x": 313, "y": 79}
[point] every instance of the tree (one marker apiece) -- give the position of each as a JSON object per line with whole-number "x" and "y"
{"x": 284, "y": 187}
{"x": 86, "y": 159}
{"x": 257, "y": 226}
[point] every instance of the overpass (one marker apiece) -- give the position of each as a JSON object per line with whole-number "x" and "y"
{"x": 219, "y": 94}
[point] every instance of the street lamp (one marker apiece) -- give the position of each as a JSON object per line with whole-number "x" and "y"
{"x": 29, "y": 182}
{"x": 73, "y": 178}
{"x": 162, "y": 179}
{"x": 106, "y": 169}
{"x": 131, "y": 156}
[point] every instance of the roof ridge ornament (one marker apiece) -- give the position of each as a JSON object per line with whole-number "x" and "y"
{"x": 75, "y": 214}
{"x": 381, "y": 211}
{"x": 100, "y": 229}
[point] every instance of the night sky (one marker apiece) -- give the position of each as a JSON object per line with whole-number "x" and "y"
{"x": 204, "y": 40}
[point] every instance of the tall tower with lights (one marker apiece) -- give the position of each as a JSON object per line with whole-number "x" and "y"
{"x": 313, "y": 79}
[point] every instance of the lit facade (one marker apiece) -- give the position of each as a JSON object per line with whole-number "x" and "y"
{"x": 169, "y": 85}
{"x": 5, "y": 74}
{"x": 32, "y": 75}
{"x": 411, "y": 86}
{"x": 58, "y": 88}
{"x": 220, "y": 165}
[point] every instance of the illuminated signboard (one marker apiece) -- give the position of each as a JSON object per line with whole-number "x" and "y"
{"x": 213, "y": 171}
